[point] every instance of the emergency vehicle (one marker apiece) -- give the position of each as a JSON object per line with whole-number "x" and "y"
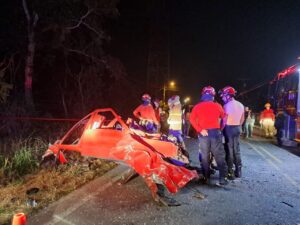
{"x": 284, "y": 94}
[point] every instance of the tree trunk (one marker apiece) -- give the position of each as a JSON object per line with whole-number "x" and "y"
{"x": 83, "y": 108}
{"x": 63, "y": 100}
{"x": 30, "y": 56}
{"x": 29, "y": 71}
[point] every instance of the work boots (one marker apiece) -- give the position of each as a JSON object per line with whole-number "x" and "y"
{"x": 238, "y": 172}
{"x": 222, "y": 181}
{"x": 230, "y": 175}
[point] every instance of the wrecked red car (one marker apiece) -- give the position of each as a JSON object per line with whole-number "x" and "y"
{"x": 103, "y": 134}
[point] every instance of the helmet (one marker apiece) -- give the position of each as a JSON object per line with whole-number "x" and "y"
{"x": 174, "y": 100}
{"x": 267, "y": 104}
{"x": 209, "y": 90}
{"x": 146, "y": 97}
{"x": 227, "y": 91}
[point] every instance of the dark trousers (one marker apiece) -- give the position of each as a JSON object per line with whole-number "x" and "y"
{"x": 186, "y": 128}
{"x": 279, "y": 136}
{"x": 233, "y": 154}
{"x": 213, "y": 144}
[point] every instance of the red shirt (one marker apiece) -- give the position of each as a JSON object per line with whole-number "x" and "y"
{"x": 145, "y": 112}
{"x": 267, "y": 114}
{"x": 206, "y": 115}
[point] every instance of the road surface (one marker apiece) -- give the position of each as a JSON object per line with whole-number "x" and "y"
{"x": 268, "y": 193}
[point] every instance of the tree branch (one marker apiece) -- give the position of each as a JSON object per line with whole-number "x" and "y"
{"x": 81, "y": 19}
{"x": 86, "y": 55}
{"x": 36, "y": 18}
{"x": 25, "y": 7}
{"x": 93, "y": 29}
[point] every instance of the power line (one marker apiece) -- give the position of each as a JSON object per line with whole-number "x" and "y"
{"x": 254, "y": 88}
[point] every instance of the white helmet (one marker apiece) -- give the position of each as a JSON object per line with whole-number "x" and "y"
{"x": 174, "y": 100}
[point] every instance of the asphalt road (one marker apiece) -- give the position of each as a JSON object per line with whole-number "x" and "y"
{"x": 268, "y": 193}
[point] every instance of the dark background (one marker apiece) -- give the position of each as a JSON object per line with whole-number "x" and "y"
{"x": 218, "y": 43}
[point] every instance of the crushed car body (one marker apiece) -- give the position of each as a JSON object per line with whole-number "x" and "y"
{"x": 103, "y": 134}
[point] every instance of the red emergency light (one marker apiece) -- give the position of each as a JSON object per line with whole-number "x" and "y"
{"x": 288, "y": 71}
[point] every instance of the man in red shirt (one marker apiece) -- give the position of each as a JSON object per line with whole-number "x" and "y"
{"x": 206, "y": 118}
{"x": 267, "y": 119}
{"x": 146, "y": 114}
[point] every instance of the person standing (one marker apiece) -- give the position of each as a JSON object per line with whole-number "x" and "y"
{"x": 248, "y": 123}
{"x": 146, "y": 115}
{"x": 279, "y": 125}
{"x": 187, "y": 123}
{"x": 175, "y": 118}
{"x": 205, "y": 118}
{"x": 158, "y": 112}
{"x": 267, "y": 119}
{"x": 234, "y": 111}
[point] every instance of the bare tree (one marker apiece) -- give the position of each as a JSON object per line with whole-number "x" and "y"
{"x": 4, "y": 86}
{"x": 31, "y": 24}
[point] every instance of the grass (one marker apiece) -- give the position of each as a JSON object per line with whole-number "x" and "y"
{"x": 20, "y": 157}
{"x": 19, "y": 172}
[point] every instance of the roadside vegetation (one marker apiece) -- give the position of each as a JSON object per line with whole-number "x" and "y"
{"x": 26, "y": 187}
{"x": 53, "y": 63}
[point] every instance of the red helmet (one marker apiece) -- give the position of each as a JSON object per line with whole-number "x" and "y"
{"x": 146, "y": 97}
{"x": 208, "y": 90}
{"x": 227, "y": 91}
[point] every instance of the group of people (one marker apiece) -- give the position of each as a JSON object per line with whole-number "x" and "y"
{"x": 212, "y": 123}
{"x": 152, "y": 118}
{"x": 267, "y": 121}
{"x": 218, "y": 127}
{"x": 273, "y": 124}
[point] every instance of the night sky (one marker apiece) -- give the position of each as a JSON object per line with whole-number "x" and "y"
{"x": 214, "y": 43}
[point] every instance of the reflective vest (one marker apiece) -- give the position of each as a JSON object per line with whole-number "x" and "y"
{"x": 175, "y": 117}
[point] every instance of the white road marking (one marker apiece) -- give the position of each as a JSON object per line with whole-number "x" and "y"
{"x": 63, "y": 220}
{"x": 61, "y": 216}
{"x": 287, "y": 177}
{"x": 270, "y": 154}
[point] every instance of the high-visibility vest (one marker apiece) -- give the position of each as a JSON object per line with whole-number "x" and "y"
{"x": 175, "y": 117}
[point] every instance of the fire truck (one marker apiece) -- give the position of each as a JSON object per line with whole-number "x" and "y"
{"x": 284, "y": 93}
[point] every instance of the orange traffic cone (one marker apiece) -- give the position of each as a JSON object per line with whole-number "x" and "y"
{"x": 19, "y": 219}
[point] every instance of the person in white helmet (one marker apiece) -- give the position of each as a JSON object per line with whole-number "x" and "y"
{"x": 175, "y": 118}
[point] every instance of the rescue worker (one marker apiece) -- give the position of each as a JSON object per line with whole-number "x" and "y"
{"x": 146, "y": 115}
{"x": 175, "y": 118}
{"x": 234, "y": 118}
{"x": 205, "y": 118}
{"x": 267, "y": 118}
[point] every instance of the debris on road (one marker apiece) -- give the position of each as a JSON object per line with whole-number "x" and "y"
{"x": 199, "y": 195}
{"x": 287, "y": 204}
